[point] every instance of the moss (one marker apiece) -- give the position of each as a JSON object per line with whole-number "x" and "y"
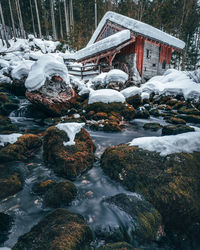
{"x": 10, "y": 182}
{"x": 42, "y": 187}
{"x": 22, "y": 149}
{"x": 170, "y": 183}
{"x": 152, "y": 126}
{"x": 60, "y": 194}
{"x": 118, "y": 246}
{"x": 6, "y": 127}
{"x": 68, "y": 161}
{"x": 176, "y": 129}
{"x": 135, "y": 101}
{"x": 60, "y": 230}
{"x": 189, "y": 111}
{"x": 175, "y": 120}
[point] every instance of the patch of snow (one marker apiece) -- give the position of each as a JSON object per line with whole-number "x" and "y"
{"x": 165, "y": 145}
{"x": 116, "y": 75}
{"x": 46, "y": 67}
{"x": 137, "y": 27}
{"x": 131, "y": 91}
{"x": 71, "y": 129}
{"x": 100, "y": 79}
{"x": 22, "y": 69}
{"x": 105, "y": 96}
{"x": 5, "y": 248}
{"x": 173, "y": 82}
{"x": 12, "y": 138}
{"x": 104, "y": 44}
{"x": 4, "y": 63}
{"x": 145, "y": 96}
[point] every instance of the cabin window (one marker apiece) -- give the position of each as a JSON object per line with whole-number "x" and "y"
{"x": 145, "y": 69}
{"x": 154, "y": 65}
{"x": 148, "y": 53}
{"x": 164, "y": 64}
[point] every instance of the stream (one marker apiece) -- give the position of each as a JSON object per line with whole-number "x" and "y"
{"x": 93, "y": 186}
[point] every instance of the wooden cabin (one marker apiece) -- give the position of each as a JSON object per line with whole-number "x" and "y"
{"x": 135, "y": 47}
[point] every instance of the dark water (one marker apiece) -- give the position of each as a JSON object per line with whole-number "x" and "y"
{"x": 93, "y": 186}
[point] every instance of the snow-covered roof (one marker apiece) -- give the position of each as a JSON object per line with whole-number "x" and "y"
{"x": 137, "y": 27}
{"x": 103, "y": 45}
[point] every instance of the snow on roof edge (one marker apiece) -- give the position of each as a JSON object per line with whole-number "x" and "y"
{"x": 138, "y": 27}
{"x": 104, "y": 44}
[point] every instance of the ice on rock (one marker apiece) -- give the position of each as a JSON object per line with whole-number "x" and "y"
{"x": 145, "y": 96}
{"x": 71, "y": 129}
{"x": 12, "y": 138}
{"x": 131, "y": 91}
{"x": 165, "y": 145}
{"x": 46, "y": 67}
{"x": 105, "y": 96}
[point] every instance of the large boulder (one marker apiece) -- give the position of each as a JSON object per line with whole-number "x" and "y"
{"x": 176, "y": 129}
{"x": 145, "y": 219}
{"x": 67, "y": 158}
{"x": 60, "y": 230}
{"x": 118, "y": 246}
{"x": 171, "y": 183}
{"x": 55, "y": 97}
{"x": 21, "y": 148}
{"x": 6, "y": 126}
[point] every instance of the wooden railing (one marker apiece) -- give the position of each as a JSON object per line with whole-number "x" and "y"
{"x": 83, "y": 72}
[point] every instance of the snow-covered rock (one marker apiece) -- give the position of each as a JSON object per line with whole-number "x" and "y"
{"x": 116, "y": 75}
{"x": 22, "y": 69}
{"x": 11, "y": 138}
{"x": 4, "y": 63}
{"x": 71, "y": 129}
{"x": 46, "y": 67}
{"x": 173, "y": 82}
{"x": 165, "y": 145}
{"x": 105, "y": 96}
{"x": 131, "y": 91}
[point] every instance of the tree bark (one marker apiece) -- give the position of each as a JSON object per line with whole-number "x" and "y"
{"x": 38, "y": 19}
{"x": 95, "y": 10}
{"x": 19, "y": 14}
{"x": 4, "y": 27}
{"x": 53, "y": 20}
{"x": 71, "y": 14}
{"x": 61, "y": 27}
{"x": 12, "y": 20}
{"x": 66, "y": 8}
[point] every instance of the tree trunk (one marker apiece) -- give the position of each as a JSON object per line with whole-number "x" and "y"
{"x": 4, "y": 27}
{"x": 66, "y": 8}
{"x": 38, "y": 19}
{"x": 71, "y": 14}
{"x": 19, "y": 14}
{"x": 53, "y": 20}
{"x": 1, "y": 35}
{"x": 61, "y": 27}
{"x": 12, "y": 20}
{"x": 95, "y": 10}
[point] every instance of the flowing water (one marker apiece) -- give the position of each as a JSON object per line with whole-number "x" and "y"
{"x": 93, "y": 186}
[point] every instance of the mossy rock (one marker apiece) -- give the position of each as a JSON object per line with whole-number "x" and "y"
{"x": 171, "y": 183}
{"x": 68, "y": 161}
{"x": 147, "y": 220}
{"x": 118, "y": 246}
{"x": 59, "y": 230}
{"x": 6, "y": 126}
{"x": 190, "y": 118}
{"x": 6, "y": 222}
{"x": 11, "y": 181}
{"x": 22, "y": 149}
{"x": 172, "y": 102}
{"x": 176, "y": 129}
{"x": 175, "y": 120}
{"x": 42, "y": 187}
{"x": 142, "y": 113}
{"x": 189, "y": 111}
{"x": 60, "y": 194}
{"x": 135, "y": 101}
{"x": 154, "y": 112}
{"x": 152, "y": 126}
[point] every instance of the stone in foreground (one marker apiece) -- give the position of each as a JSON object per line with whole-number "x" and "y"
{"x": 59, "y": 230}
